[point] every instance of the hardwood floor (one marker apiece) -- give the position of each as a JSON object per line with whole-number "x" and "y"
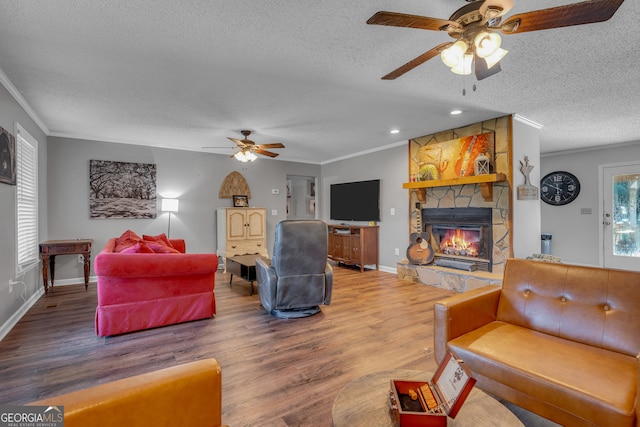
{"x": 275, "y": 372}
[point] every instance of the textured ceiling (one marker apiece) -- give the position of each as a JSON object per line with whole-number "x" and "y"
{"x": 187, "y": 74}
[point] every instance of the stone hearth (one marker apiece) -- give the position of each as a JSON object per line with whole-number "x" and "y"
{"x": 447, "y": 278}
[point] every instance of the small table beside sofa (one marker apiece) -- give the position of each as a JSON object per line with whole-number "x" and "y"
{"x": 51, "y": 248}
{"x": 146, "y": 282}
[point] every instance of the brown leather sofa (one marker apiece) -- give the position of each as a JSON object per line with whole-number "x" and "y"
{"x": 183, "y": 395}
{"x": 559, "y": 340}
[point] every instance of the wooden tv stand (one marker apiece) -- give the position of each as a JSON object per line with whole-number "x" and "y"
{"x": 354, "y": 244}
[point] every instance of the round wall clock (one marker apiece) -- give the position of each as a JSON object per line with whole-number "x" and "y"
{"x": 559, "y": 188}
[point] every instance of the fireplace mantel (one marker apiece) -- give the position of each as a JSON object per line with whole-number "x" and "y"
{"x": 484, "y": 181}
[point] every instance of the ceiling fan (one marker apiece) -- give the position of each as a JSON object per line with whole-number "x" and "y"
{"x": 475, "y": 26}
{"x": 248, "y": 149}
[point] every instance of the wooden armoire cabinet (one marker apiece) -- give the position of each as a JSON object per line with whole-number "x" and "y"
{"x": 242, "y": 231}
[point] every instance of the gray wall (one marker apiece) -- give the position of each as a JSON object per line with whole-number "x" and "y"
{"x": 575, "y": 235}
{"x": 14, "y": 302}
{"x": 525, "y": 213}
{"x": 391, "y": 167}
{"x": 194, "y": 178}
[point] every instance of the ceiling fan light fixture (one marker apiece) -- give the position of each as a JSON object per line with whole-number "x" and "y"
{"x": 486, "y": 43}
{"x": 245, "y": 156}
{"x": 495, "y": 57}
{"x": 241, "y": 157}
{"x": 454, "y": 54}
{"x": 464, "y": 67}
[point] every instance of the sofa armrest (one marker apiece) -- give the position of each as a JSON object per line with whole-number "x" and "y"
{"x": 188, "y": 394}
{"x": 462, "y": 313}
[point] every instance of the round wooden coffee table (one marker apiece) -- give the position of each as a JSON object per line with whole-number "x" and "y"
{"x": 365, "y": 402}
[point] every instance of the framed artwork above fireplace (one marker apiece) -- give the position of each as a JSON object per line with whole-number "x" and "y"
{"x": 453, "y": 158}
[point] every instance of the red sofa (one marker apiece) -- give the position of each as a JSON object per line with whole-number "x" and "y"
{"x": 139, "y": 288}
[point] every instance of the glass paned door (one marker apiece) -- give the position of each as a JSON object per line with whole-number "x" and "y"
{"x": 622, "y": 216}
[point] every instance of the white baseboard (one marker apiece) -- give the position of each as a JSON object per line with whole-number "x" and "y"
{"x": 388, "y": 269}
{"x": 15, "y": 318}
{"x": 75, "y": 281}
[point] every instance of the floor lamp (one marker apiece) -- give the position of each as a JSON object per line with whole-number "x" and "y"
{"x": 170, "y": 205}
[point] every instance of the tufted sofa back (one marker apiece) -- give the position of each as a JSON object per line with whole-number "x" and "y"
{"x": 594, "y": 306}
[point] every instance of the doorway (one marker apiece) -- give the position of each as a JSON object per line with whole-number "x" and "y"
{"x": 621, "y": 216}
{"x": 301, "y": 197}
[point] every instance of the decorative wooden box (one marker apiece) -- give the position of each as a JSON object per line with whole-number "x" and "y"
{"x": 419, "y": 403}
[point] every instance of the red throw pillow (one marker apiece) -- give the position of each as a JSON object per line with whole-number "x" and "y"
{"x": 126, "y": 240}
{"x": 161, "y": 248}
{"x": 128, "y": 235}
{"x": 138, "y": 248}
{"x": 159, "y": 238}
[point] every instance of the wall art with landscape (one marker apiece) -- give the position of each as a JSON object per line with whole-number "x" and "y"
{"x": 121, "y": 189}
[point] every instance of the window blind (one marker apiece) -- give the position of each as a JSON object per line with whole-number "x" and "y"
{"x": 26, "y": 200}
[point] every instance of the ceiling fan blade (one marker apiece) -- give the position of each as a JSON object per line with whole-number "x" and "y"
{"x": 586, "y": 12}
{"x": 240, "y": 143}
{"x": 395, "y": 19}
{"x": 275, "y": 145}
{"x": 417, "y": 61}
{"x": 265, "y": 152}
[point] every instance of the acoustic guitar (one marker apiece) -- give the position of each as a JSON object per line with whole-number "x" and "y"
{"x": 420, "y": 251}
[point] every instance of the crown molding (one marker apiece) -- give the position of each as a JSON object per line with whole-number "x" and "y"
{"x": 372, "y": 150}
{"x": 23, "y": 102}
{"x": 527, "y": 121}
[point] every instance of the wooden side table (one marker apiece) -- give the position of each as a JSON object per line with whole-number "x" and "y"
{"x": 51, "y": 248}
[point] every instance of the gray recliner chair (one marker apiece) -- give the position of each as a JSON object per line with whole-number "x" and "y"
{"x": 299, "y": 278}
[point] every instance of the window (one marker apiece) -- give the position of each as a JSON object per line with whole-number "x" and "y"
{"x": 26, "y": 201}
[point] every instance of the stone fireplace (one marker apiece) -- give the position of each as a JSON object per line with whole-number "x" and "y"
{"x": 469, "y": 221}
{"x": 461, "y": 237}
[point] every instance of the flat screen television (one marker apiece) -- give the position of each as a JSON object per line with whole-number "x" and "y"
{"x": 355, "y": 201}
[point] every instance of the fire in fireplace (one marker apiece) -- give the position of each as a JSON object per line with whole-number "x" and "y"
{"x": 460, "y": 242}
{"x": 461, "y": 237}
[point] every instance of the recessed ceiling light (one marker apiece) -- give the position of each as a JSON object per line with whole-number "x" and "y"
{"x": 455, "y": 112}
{"x": 394, "y": 131}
